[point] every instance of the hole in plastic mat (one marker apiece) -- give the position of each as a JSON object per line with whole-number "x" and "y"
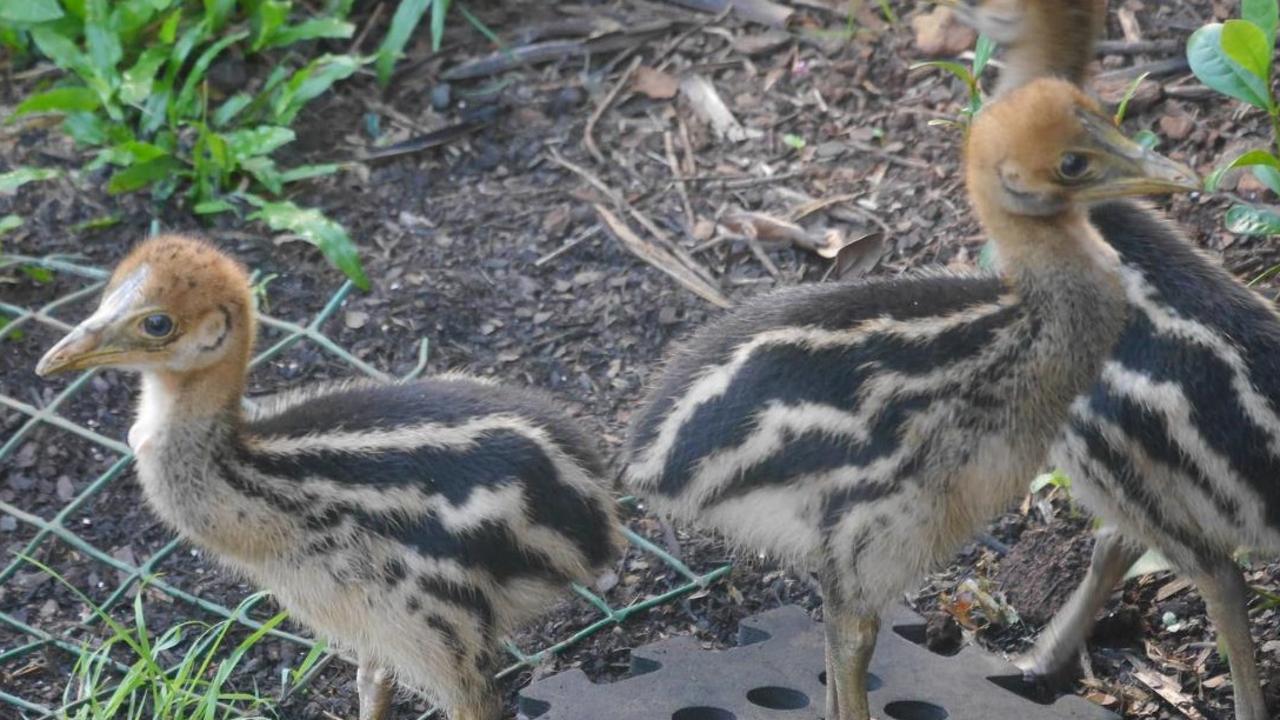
{"x": 914, "y": 710}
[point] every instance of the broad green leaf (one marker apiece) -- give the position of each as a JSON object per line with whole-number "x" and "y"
{"x": 1248, "y": 159}
{"x": 135, "y": 87}
{"x": 1264, "y": 14}
{"x": 261, "y": 140}
{"x": 269, "y": 16}
{"x": 60, "y": 100}
{"x": 263, "y": 169}
{"x": 169, "y": 28}
{"x": 304, "y": 172}
{"x": 29, "y": 12}
{"x": 9, "y": 222}
{"x": 60, "y": 49}
{"x": 141, "y": 175}
{"x": 311, "y": 81}
{"x": 982, "y": 52}
{"x": 311, "y": 30}
{"x": 1252, "y": 220}
{"x": 311, "y": 225}
{"x": 185, "y": 104}
{"x": 406, "y": 18}
{"x": 212, "y": 207}
{"x": 216, "y": 12}
{"x": 86, "y": 128}
{"x": 1247, "y": 45}
{"x": 439, "y": 9}
{"x": 104, "y": 48}
{"x": 230, "y": 108}
{"x": 1269, "y": 176}
{"x": 14, "y": 179}
{"x": 955, "y": 68}
{"x": 1211, "y": 64}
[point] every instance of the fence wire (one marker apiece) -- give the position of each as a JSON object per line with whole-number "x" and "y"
{"x": 17, "y": 320}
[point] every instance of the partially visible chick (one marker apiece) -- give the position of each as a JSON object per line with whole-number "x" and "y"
{"x": 863, "y": 431}
{"x": 1042, "y": 38}
{"x": 412, "y": 524}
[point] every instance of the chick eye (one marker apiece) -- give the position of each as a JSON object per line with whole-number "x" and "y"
{"x": 1073, "y": 165}
{"x": 158, "y": 325}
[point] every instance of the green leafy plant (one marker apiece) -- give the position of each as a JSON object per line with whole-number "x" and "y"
{"x": 1234, "y": 58}
{"x": 150, "y": 684}
{"x": 138, "y": 87}
{"x": 970, "y": 75}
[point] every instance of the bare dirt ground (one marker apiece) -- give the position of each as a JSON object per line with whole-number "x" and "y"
{"x": 490, "y": 246}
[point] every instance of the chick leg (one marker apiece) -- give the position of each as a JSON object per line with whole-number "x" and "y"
{"x": 833, "y": 704}
{"x": 1226, "y": 598}
{"x": 375, "y": 687}
{"x": 852, "y": 656}
{"x": 1059, "y": 642}
{"x": 851, "y": 640}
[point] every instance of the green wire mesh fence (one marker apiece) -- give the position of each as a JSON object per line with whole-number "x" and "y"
{"x": 15, "y": 320}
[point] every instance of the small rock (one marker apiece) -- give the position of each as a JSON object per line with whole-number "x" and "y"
{"x": 441, "y": 96}
{"x": 940, "y": 33}
{"x": 1177, "y": 127}
{"x": 703, "y": 229}
{"x": 356, "y": 319}
{"x": 8, "y": 523}
{"x": 66, "y": 490}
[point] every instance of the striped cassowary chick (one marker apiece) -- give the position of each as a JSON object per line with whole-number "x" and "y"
{"x": 1178, "y": 446}
{"x": 863, "y": 431}
{"x": 412, "y": 524}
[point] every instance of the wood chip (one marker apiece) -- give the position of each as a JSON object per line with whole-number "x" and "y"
{"x": 708, "y": 105}
{"x": 654, "y": 84}
{"x": 1166, "y": 687}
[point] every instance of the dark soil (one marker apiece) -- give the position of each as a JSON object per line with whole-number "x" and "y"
{"x": 490, "y": 248}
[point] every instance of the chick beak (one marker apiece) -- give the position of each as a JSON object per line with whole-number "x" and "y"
{"x": 83, "y": 347}
{"x": 1132, "y": 169}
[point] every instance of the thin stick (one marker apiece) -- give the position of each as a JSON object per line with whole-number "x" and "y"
{"x": 674, "y": 164}
{"x": 660, "y": 258}
{"x": 567, "y": 246}
{"x": 587, "y": 134}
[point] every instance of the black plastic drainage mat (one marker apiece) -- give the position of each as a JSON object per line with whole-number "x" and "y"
{"x": 776, "y": 672}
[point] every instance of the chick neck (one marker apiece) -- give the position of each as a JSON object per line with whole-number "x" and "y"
{"x": 201, "y": 402}
{"x": 1058, "y": 40}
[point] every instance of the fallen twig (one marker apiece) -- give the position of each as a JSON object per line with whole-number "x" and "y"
{"x": 660, "y": 258}
{"x": 765, "y": 12}
{"x": 570, "y": 244}
{"x": 418, "y": 143}
{"x": 536, "y": 53}
{"x": 664, "y": 254}
{"x": 1166, "y": 687}
{"x": 588, "y": 133}
{"x": 683, "y": 188}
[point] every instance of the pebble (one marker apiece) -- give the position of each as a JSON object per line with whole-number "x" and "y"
{"x": 441, "y": 96}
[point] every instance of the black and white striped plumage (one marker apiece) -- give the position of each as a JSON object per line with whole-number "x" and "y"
{"x": 412, "y": 524}
{"x": 1178, "y": 444}
{"x": 864, "y": 431}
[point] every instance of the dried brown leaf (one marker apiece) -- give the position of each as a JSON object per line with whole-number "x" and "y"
{"x": 655, "y": 84}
